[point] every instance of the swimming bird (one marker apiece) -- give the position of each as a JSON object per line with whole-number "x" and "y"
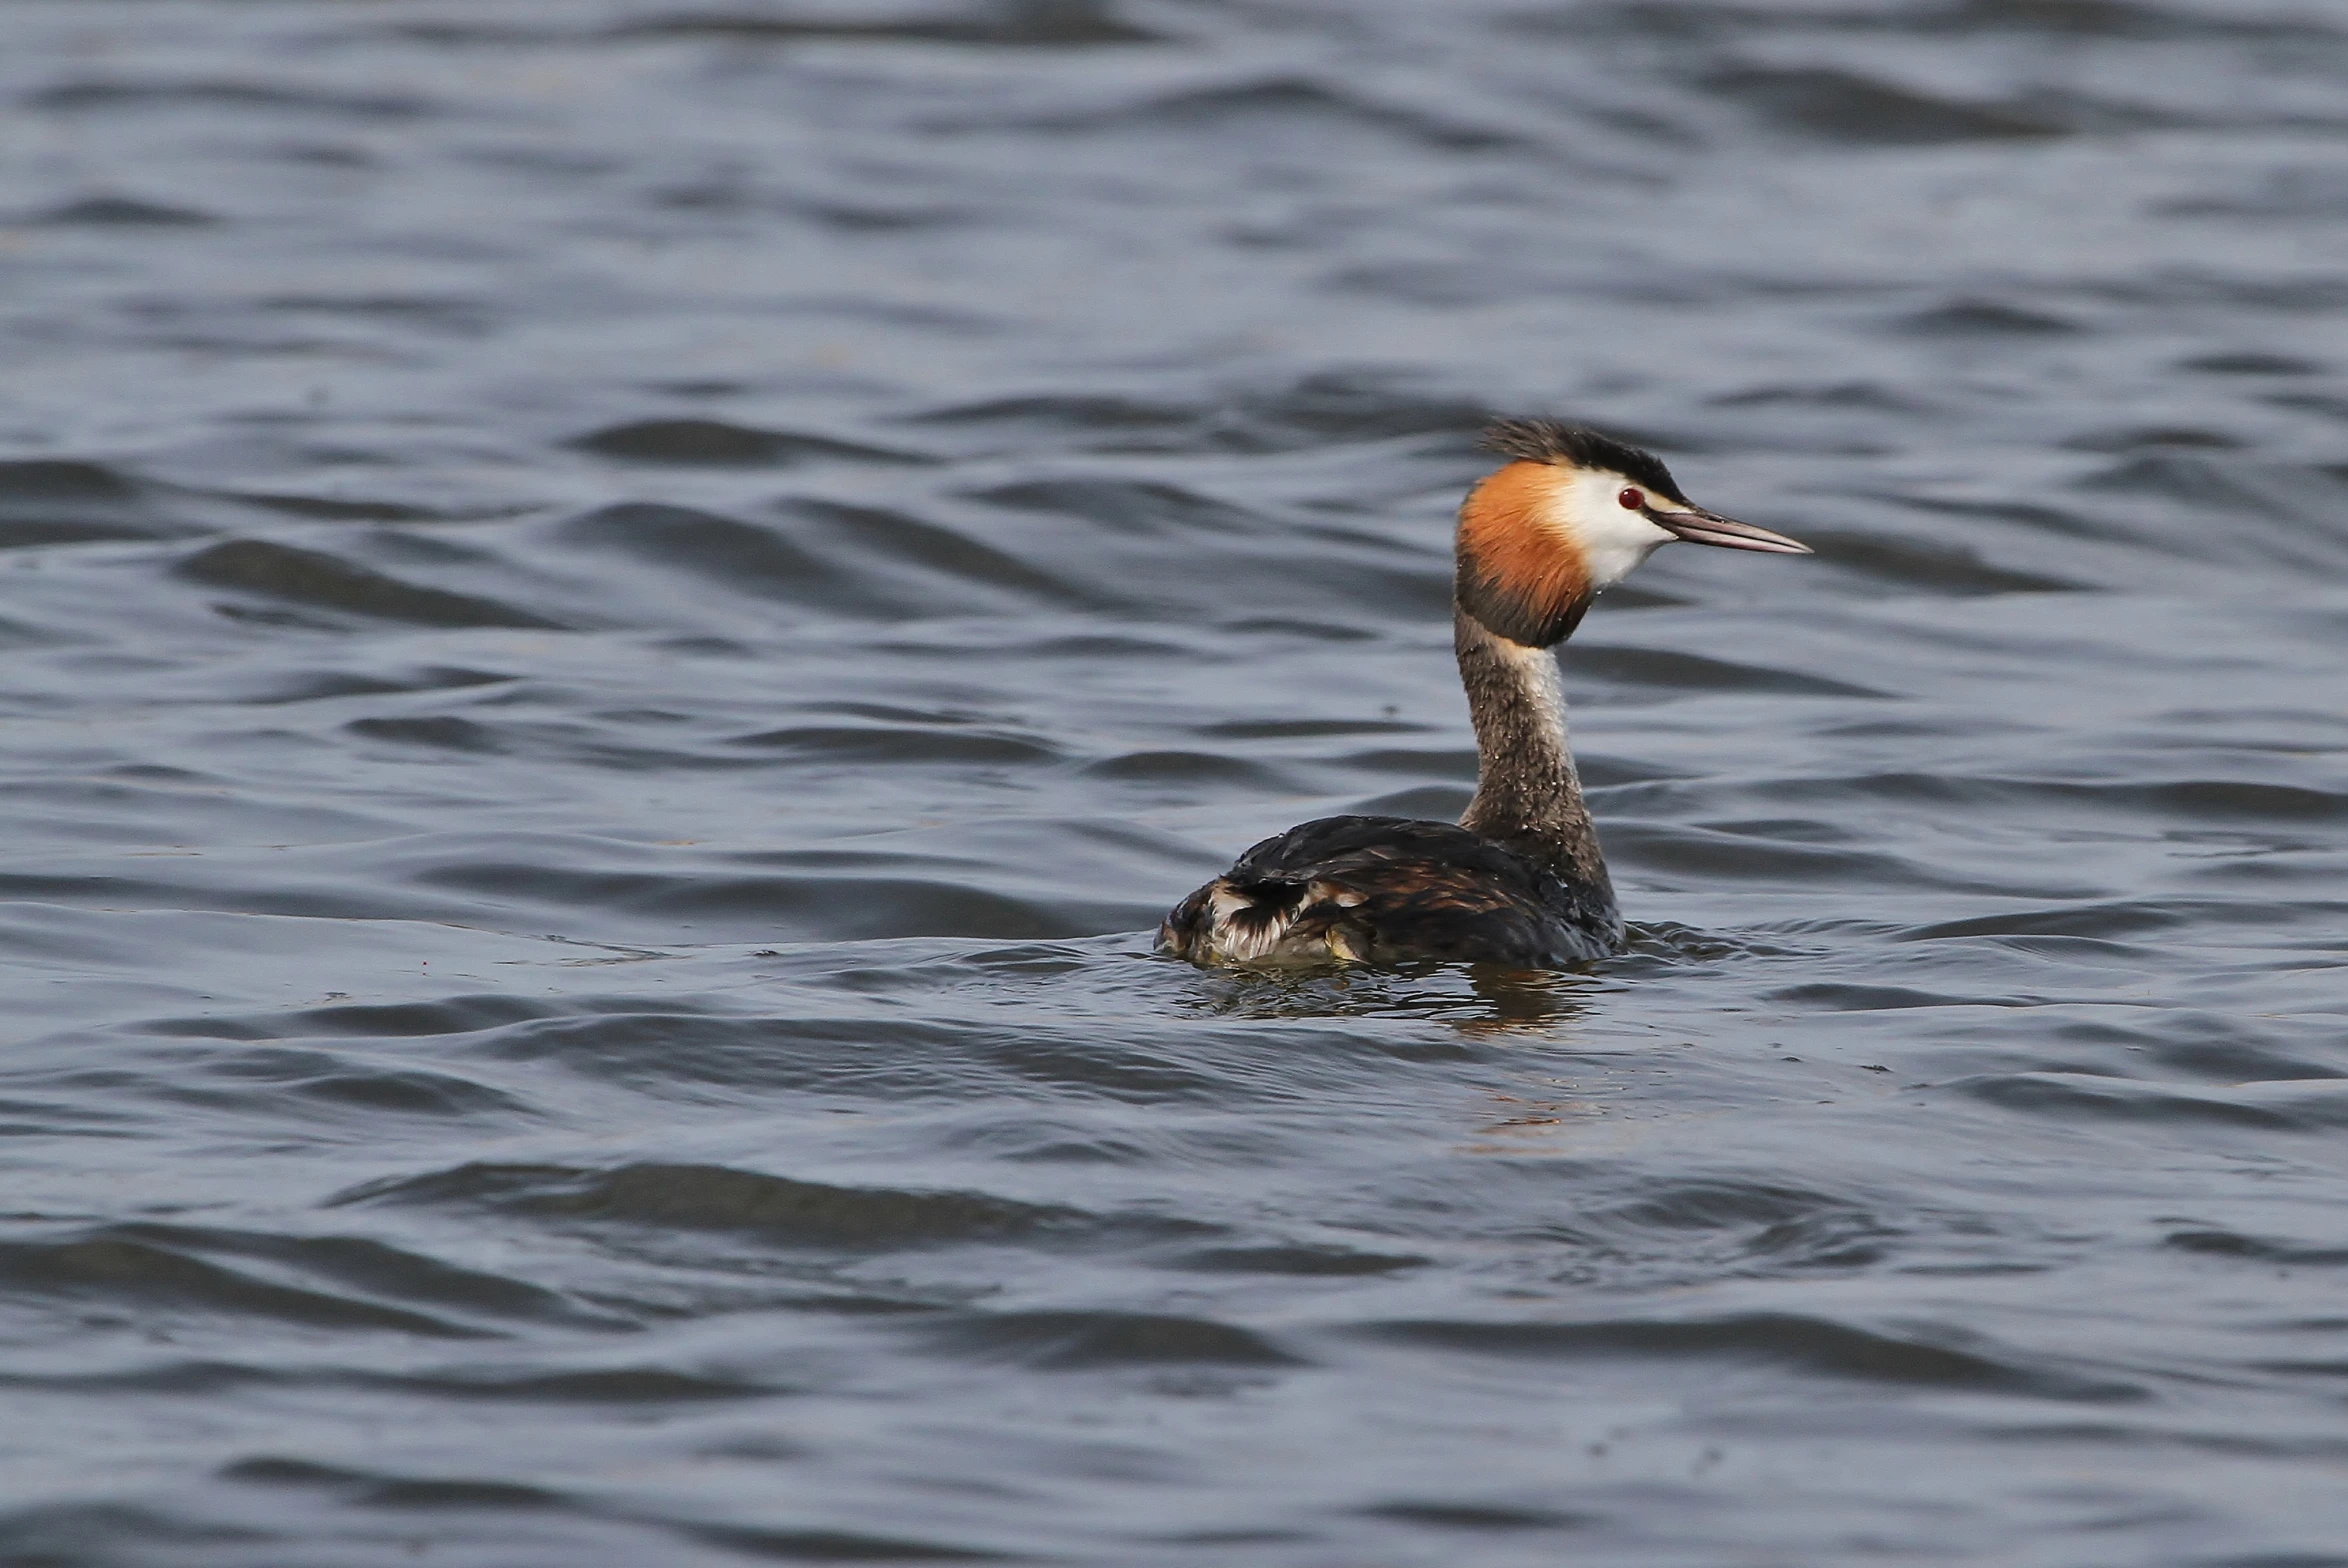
{"x": 1519, "y": 880}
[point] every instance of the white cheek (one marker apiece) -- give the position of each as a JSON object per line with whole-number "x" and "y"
{"x": 1613, "y": 538}
{"x": 1615, "y": 546}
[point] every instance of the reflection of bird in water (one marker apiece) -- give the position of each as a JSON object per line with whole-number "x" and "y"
{"x": 1520, "y": 880}
{"x": 1480, "y": 1001}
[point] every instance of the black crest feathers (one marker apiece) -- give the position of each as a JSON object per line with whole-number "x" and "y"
{"x": 1548, "y": 441}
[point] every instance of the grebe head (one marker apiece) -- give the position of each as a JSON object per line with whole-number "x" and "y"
{"x": 1570, "y": 515}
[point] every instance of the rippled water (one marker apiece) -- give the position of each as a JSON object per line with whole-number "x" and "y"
{"x": 620, "y": 613}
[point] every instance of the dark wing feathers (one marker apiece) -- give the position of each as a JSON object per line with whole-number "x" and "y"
{"x": 1383, "y": 889}
{"x": 1309, "y": 850}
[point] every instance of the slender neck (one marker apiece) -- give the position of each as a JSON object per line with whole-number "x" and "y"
{"x": 1528, "y": 795}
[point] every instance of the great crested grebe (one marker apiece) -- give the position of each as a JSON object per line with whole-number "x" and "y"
{"x": 1520, "y": 880}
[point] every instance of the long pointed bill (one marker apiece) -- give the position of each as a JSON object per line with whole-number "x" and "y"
{"x": 1697, "y": 526}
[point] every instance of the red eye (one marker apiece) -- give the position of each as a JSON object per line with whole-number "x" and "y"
{"x": 1631, "y": 500}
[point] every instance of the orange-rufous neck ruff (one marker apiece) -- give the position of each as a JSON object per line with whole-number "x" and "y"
{"x": 1521, "y": 574}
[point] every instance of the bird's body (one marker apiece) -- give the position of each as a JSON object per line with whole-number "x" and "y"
{"x": 1520, "y": 880}
{"x": 1389, "y": 889}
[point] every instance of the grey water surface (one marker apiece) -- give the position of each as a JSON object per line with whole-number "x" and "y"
{"x": 619, "y": 615}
